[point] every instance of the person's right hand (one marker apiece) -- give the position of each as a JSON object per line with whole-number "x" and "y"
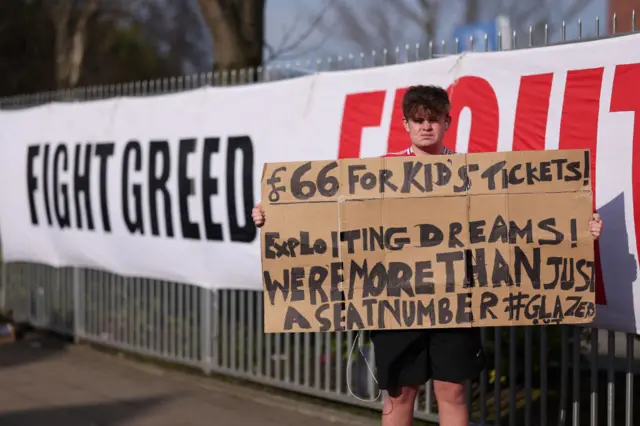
{"x": 258, "y": 215}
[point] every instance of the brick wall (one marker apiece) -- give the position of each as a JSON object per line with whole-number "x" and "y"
{"x": 623, "y": 9}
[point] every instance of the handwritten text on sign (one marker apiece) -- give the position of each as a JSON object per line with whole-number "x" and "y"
{"x": 415, "y": 242}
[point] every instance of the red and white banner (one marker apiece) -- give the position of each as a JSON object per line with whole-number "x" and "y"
{"x": 162, "y": 186}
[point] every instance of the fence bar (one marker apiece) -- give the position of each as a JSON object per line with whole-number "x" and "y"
{"x": 225, "y": 328}
{"x": 528, "y": 367}
{"x": 206, "y": 330}
{"x": 297, "y": 358}
{"x": 259, "y": 333}
{"x": 564, "y": 372}
{"x": 483, "y": 382}
{"x": 242, "y": 329}
{"x": 3, "y": 281}
{"x": 629, "y": 382}
{"x": 78, "y": 309}
{"x": 251, "y": 333}
{"x": 611, "y": 378}
{"x": 512, "y": 374}
{"x": 576, "y": 375}
{"x": 497, "y": 395}
{"x": 594, "y": 377}
{"x": 233, "y": 326}
{"x": 543, "y": 374}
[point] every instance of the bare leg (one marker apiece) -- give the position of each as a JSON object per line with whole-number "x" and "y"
{"x": 398, "y": 407}
{"x": 452, "y": 404}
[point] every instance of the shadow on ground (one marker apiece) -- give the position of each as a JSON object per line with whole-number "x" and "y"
{"x": 110, "y": 414}
{"x": 29, "y": 348}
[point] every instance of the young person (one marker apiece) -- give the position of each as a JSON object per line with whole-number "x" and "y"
{"x": 406, "y": 359}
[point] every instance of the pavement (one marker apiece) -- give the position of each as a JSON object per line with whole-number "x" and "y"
{"x": 48, "y": 382}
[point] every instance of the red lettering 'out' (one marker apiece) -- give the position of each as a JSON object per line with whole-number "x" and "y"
{"x": 579, "y": 130}
{"x": 476, "y": 94}
{"x": 625, "y": 97}
{"x": 532, "y": 111}
{"x": 360, "y": 110}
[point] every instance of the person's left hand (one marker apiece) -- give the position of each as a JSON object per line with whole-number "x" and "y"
{"x": 595, "y": 226}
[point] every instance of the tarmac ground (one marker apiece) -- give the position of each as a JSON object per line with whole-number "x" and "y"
{"x": 49, "y": 382}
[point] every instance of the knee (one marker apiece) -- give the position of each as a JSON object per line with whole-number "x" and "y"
{"x": 405, "y": 395}
{"x": 449, "y": 393}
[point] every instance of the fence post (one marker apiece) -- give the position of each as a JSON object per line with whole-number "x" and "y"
{"x": 205, "y": 330}
{"x": 78, "y": 325}
{"x": 3, "y": 281}
{"x": 3, "y": 278}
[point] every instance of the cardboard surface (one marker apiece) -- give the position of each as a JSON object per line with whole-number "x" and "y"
{"x": 461, "y": 240}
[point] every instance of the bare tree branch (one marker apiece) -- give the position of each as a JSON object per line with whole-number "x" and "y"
{"x": 290, "y": 48}
{"x": 355, "y": 25}
{"x": 425, "y": 18}
{"x": 382, "y": 23}
{"x": 538, "y": 15}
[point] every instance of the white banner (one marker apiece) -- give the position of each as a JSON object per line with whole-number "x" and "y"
{"x": 158, "y": 187}
{"x": 162, "y": 186}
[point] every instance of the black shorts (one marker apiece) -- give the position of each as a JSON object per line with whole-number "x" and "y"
{"x": 412, "y": 357}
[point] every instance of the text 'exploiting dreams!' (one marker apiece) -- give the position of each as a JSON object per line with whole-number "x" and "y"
{"x": 463, "y": 240}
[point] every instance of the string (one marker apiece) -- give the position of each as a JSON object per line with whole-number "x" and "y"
{"x": 368, "y": 368}
{"x": 341, "y": 200}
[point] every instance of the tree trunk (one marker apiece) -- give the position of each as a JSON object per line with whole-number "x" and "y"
{"x": 237, "y": 32}
{"x": 70, "y": 40}
{"x": 471, "y": 14}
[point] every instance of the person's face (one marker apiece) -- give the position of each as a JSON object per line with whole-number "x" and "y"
{"x": 426, "y": 129}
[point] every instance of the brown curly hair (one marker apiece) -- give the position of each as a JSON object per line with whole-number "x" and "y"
{"x": 432, "y": 100}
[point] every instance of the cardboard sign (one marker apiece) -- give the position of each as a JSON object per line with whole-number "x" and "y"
{"x": 464, "y": 240}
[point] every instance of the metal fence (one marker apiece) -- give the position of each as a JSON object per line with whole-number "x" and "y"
{"x": 537, "y": 376}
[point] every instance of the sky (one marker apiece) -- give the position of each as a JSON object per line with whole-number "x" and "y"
{"x": 287, "y": 22}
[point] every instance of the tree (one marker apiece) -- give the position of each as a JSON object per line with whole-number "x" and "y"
{"x": 382, "y": 23}
{"x": 177, "y": 28}
{"x": 124, "y": 40}
{"x": 124, "y": 53}
{"x": 299, "y": 32}
{"x": 168, "y": 22}
{"x": 543, "y": 18}
{"x": 26, "y": 48}
{"x": 237, "y": 31}
{"x": 70, "y": 20}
